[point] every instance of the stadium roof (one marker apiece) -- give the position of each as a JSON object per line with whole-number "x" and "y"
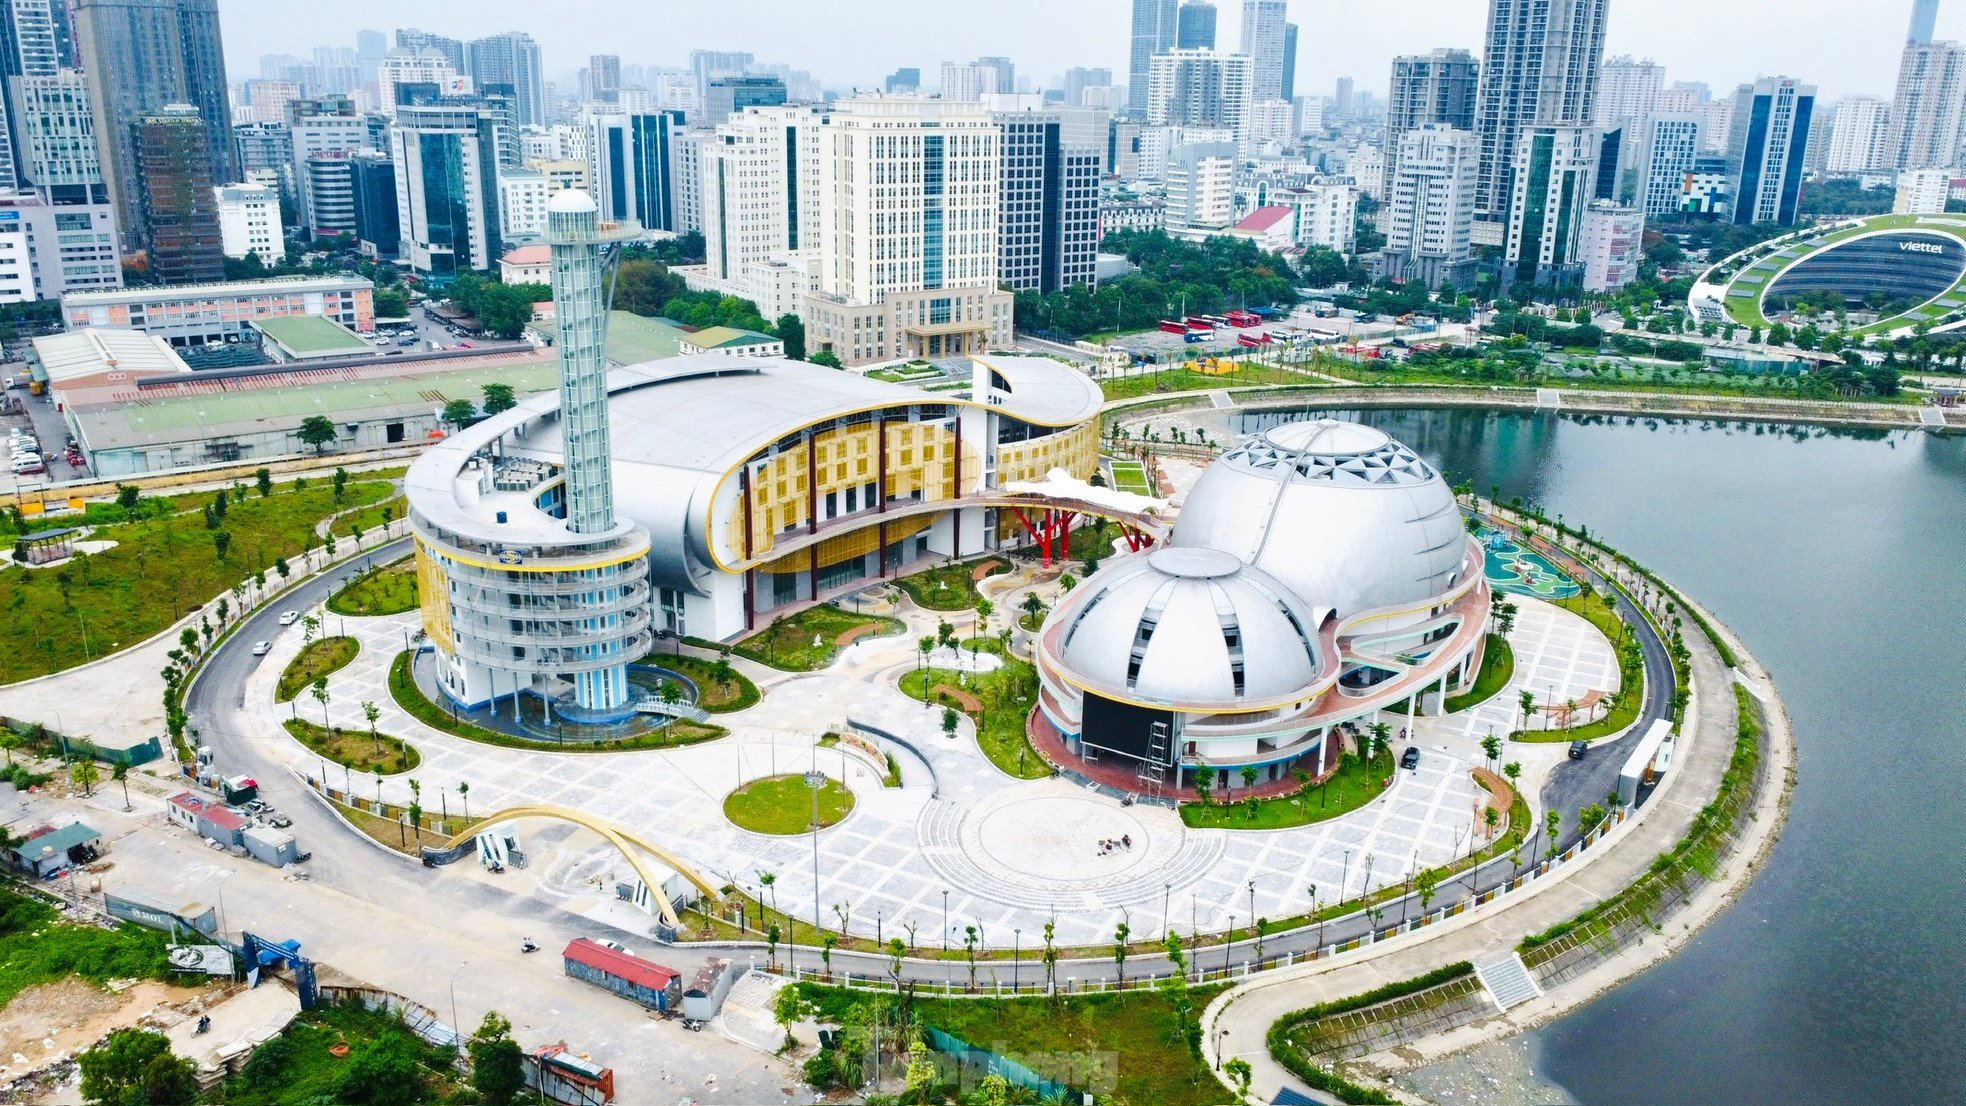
{"x": 635, "y": 339}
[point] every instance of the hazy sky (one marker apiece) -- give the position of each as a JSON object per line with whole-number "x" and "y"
{"x": 1844, "y": 46}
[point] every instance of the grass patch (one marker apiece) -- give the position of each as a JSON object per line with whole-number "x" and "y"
{"x": 718, "y": 691}
{"x": 1497, "y": 668}
{"x": 1131, "y": 476}
{"x": 322, "y": 657}
{"x": 56, "y": 618}
{"x": 386, "y": 1062}
{"x": 1175, "y": 378}
{"x": 787, "y": 644}
{"x": 355, "y": 749}
{"x": 950, "y": 587}
{"x": 1137, "y": 1033}
{"x": 782, "y": 805}
{"x": 386, "y": 589}
{"x": 1007, "y": 696}
{"x": 1287, "y": 1051}
{"x": 1354, "y": 784}
{"x": 374, "y": 518}
{"x": 37, "y": 946}
{"x": 403, "y": 689}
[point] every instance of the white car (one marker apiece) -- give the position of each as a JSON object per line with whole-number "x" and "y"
{"x": 261, "y": 648}
{"x": 615, "y": 945}
{"x": 288, "y": 618}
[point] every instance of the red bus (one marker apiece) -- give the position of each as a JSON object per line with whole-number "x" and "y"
{"x": 1252, "y": 341}
{"x": 1173, "y": 327}
{"x": 1243, "y": 319}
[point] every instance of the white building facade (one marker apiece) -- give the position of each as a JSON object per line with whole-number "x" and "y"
{"x": 1612, "y": 247}
{"x": 249, "y": 221}
{"x": 1431, "y": 206}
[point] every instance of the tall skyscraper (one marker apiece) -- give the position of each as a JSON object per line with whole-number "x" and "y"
{"x": 1552, "y": 181}
{"x": 423, "y": 42}
{"x": 1156, "y": 28}
{"x": 1195, "y": 29}
{"x": 1627, "y": 94}
{"x": 370, "y": 47}
{"x": 1924, "y": 20}
{"x": 1263, "y": 39}
{"x": 1289, "y": 61}
{"x": 629, "y": 158}
{"x": 1048, "y": 209}
{"x": 759, "y": 180}
{"x": 730, "y": 95}
{"x": 1671, "y": 146}
{"x": 143, "y": 56}
{"x": 1860, "y": 136}
{"x": 59, "y": 152}
{"x": 1430, "y": 205}
{"x": 1765, "y": 150}
{"x": 1200, "y": 88}
{"x": 1539, "y": 69}
{"x": 1005, "y": 70}
{"x": 604, "y": 74}
{"x": 1344, "y": 98}
{"x": 971, "y": 81}
{"x": 321, "y": 125}
{"x": 513, "y": 60}
{"x": 446, "y": 159}
{"x": 1078, "y": 80}
{"x": 1929, "y": 112}
{"x": 705, "y": 64}
{"x": 1437, "y": 88}
{"x": 179, "y": 208}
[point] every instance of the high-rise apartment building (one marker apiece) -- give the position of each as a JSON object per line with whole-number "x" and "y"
{"x": 706, "y": 64}
{"x": 1924, "y": 20}
{"x": 1078, "y": 80}
{"x": 143, "y": 56}
{"x": 1627, "y": 92}
{"x": 1200, "y": 88}
{"x": 909, "y": 195}
{"x": 1553, "y": 179}
{"x": 727, "y": 96}
{"x": 330, "y": 182}
{"x": 402, "y": 70}
{"x": 322, "y": 125}
{"x": 447, "y": 205}
{"x": 177, "y": 201}
{"x": 1670, "y": 148}
{"x": 970, "y": 81}
{"x": 1195, "y": 26}
{"x": 370, "y": 47}
{"x": 1263, "y": 39}
{"x": 1430, "y": 201}
{"x": 1539, "y": 68}
{"x": 1929, "y": 113}
{"x": 1201, "y": 185}
{"x": 57, "y": 248}
{"x": 1437, "y": 88}
{"x": 412, "y": 41}
{"x": 759, "y": 180}
{"x": 57, "y": 147}
{"x": 1772, "y": 120}
{"x": 1156, "y": 29}
{"x": 1612, "y": 248}
{"x": 1859, "y": 136}
{"x": 1048, "y": 206}
{"x": 629, "y": 165}
{"x": 604, "y": 78}
{"x": 1922, "y": 192}
{"x": 512, "y": 60}
{"x": 1344, "y": 98}
{"x": 1005, "y": 70}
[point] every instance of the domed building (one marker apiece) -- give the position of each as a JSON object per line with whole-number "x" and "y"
{"x": 1318, "y": 572}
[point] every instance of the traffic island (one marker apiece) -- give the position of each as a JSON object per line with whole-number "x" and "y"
{"x": 782, "y": 805}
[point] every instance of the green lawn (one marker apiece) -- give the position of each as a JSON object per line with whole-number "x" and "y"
{"x": 56, "y": 618}
{"x": 37, "y": 946}
{"x": 1137, "y": 1033}
{"x": 1007, "y": 696}
{"x": 787, "y": 644}
{"x": 1174, "y": 378}
{"x": 782, "y": 805}
{"x": 1355, "y": 784}
{"x": 1631, "y": 676}
{"x": 386, "y": 589}
{"x": 948, "y": 587}
{"x": 1497, "y": 667}
{"x": 374, "y": 518}
{"x": 714, "y": 695}
{"x": 1131, "y": 476}
{"x": 403, "y": 689}
{"x": 386, "y": 1063}
{"x": 320, "y": 657}
{"x": 355, "y": 748}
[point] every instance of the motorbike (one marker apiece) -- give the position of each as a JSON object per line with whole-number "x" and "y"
{"x": 526, "y": 945}
{"x": 204, "y": 1025}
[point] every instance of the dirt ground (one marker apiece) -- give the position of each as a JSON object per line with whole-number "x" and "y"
{"x": 48, "y": 1023}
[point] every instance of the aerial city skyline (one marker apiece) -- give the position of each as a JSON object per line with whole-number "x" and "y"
{"x": 1159, "y": 552}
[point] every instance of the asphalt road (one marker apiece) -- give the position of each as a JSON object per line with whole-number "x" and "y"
{"x": 346, "y": 859}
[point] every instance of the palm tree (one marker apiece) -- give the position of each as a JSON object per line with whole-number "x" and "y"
{"x": 464, "y": 793}
{"x": 769, "y": 881}
{"x": 1381, "y": 738}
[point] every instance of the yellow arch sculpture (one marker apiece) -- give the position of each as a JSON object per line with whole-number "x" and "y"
{"x": 625, "y": 841}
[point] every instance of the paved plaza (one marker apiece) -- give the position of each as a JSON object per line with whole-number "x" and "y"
{"x": 1005, "y": 855}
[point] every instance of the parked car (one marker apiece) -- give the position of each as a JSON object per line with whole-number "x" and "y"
{"x": 615, "y": 945}
{"x": 1410, "y": 759}
{"x": 261, "y": 648}
{"x": 1578, "y": 749}
{"x": 288, "y": 618}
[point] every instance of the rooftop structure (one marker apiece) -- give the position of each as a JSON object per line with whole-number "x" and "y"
{"x": 222, "y": 311}
{"x": 308, "y": 338}
{"x": 1318, "y": 572}
{"x": 93, "y": 357}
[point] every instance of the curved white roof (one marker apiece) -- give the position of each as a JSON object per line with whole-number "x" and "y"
{"x": 571, "y": 201}
{"x": 1190, "y": 627}
{"x": 1344, "y": 515}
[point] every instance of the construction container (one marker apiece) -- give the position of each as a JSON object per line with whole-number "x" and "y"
{"x": 633, "y": 978}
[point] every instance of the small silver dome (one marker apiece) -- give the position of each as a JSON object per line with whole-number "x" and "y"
{"x": 1190, "y": 626}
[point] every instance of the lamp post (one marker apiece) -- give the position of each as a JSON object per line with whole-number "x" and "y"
{"x": 815, "y": 780}
{"x": 945, "y": 920}
{"x": 1219, "y": 1034}
{"x": 1016, "y": 956}
{"x": 1228, "y": 945}
{"x": 1166, "y": 894}
{"x": 455, "y": 1027}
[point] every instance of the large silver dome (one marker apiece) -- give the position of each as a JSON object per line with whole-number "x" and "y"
{"x": 1190, "y": 626}
{"x": 1342, "y": 514}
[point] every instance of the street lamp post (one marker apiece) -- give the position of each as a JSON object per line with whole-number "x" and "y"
{"x": 945, "y": 920}
{"x": 815, "y": 780}
{"x": 1166, "y": 894}
{"x": 1016, "y": 956}
{"x": 1228, "y": 945}
{"x": 457, "y": 1029}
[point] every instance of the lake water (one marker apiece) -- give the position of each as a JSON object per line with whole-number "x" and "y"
{"x": 1840, "y": 558}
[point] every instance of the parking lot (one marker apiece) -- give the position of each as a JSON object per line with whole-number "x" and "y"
{"x": 37, "y": 415}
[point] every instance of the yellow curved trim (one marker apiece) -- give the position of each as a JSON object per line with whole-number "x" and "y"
{"x": 499, "y": 566}
{"x": 625, "y": 841}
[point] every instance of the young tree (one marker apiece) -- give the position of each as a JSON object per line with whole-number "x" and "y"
{"x": 498, "y": 1071}
{"x": 135, "y": 1067}
{"x": 949, "y": 721}
{"x": 792, "y": 331}
{"x": 85, "y": 773}
{"x": 499, "y": 398}
{"x": 464, "y": 793}
{"x": 459, "y": 413}
{"x": 970, "y": 937}
{"x": 826, "y": 358}
{"x": 221, "y": 542}
{"x": 319, "y": 690}
{"x": 1120, "y": 933}
{"x": 340, "y": 482}
{"x": 1528, "y": 704}
{"x": 127, "y": 497}
{"x": 1249, "y": 776}
{"x": 1204, "y": 778}
{"x": 1491, "y": 748}
{"x": 317, "y": 431}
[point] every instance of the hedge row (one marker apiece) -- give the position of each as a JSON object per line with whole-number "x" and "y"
{"x": 1300, "y": 1066}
